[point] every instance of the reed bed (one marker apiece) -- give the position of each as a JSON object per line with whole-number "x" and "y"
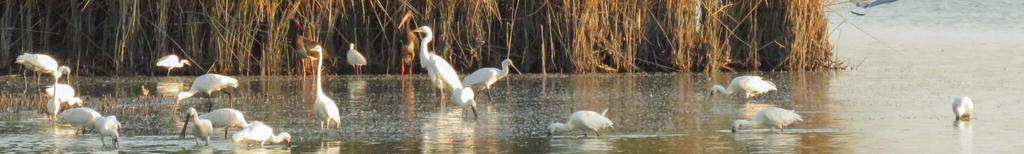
{"x": 115, "y": 37}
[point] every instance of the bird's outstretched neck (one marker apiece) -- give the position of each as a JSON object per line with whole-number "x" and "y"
{"x": 319, "y": 68}
{"x": 185, "y": 94}
{"x": 720, "y": 89}
{"x": 280, "y": 138}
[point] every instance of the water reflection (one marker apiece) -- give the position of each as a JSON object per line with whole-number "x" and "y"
{"x": 169, "y": 87}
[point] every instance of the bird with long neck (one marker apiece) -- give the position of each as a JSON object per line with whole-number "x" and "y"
{"x": 325, "y": 109}
{"x": 771, "y": 117}
{"x": 409, "y": 50}
{"x": 750, "y": 85}
{"x": 485, "y": 77}
{"x": 427, "y": 60}
{"x": 257, "y": 132}
{"x": 583, "y": 121}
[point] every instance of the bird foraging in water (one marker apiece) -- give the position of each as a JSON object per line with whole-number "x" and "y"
{"x": 485, "y": 77}
{"x": 201, "y": 128}
{"x": 222, "y": 118}
{"x": 408, "y": 56}
{"x": 439, "y": 71}
{"x": 355, "y": 59}
{"x": 43, "y": 64}
{"x": 108, "y": 126}
{"x": 257, "y": 132}
{"x": 64, "y": 94}
{"x": 583, "y": 121}
{"x": 464, "y": 98}
{"x": 208, "y": 84}
{"x": 171, "y": 62}
{"x": 750, "y": 85}
{"x": 771, "y": 117}
{"x": 962, "y": 108}
{"x": 82, "y": 118}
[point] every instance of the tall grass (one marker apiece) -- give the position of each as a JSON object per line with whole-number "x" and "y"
{"x": 115, "y": 37}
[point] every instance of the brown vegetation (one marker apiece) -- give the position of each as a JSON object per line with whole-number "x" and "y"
{"x": 116, "y": 37}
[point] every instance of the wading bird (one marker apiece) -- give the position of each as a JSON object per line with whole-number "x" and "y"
{"x": 863, "y": 5}
{"x": 439, "y": 71}
{"x": 82, "y": 118}
{"x": 750, "y": 85}
{"x": 355, "y": 59}
{"x": 257, "y": 132}
{"x": 301, "y": 45}
{"x": 583, "y": 121}
{"x": 108, "y": 126}
{"x": 201, "y": 128}
{"x": 464, "y": 98}
{"x": 408, "y": 56}
{"x": 771, "y": 117}
{"x": 64, "y": 94}
{"x": 42, "y": 63}
{"x": 325, "y": 109}
{"x": 485, "y": 77}
{"x": 962, "y": 108}
{"x": 208, "y": 84}
{"x": 171, "y": 62}
{"x": 222, "y": 118}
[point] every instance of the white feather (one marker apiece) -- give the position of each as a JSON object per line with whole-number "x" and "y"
{"x": 962, "y": 108}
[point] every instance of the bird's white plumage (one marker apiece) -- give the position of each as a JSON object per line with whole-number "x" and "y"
{"x": 485, "y": 77}
{"x": 64, "y": 93}
{"x": 354, "y": 57}
{"x": 750, "y": 85}
{"x": 464, "y": 98}
{"x": 208, "y": 83}
{"x": 201, "y": 128}
{"x": 583, "y": 121}
{"x": 52, "y": 107}
{"x": 325, "y": 109}
{"x": 962, "y": 108}
{"x": 225, "y": 118}
{"x": 257, "y": 132}
{"x": 108, "y": 126}
{"x": 42, "y": 63}
{"x": 81, "y": 118}
{"x": 772, "y": 117}
{"x": 171, "y": 62}
{"x": 439, "y": 71}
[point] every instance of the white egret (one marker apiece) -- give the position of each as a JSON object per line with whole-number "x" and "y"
{"x": 42, "y": 63}
{"x": 485, "y": 77}
{"x": 170, "y": 62}
{"x": 325, "y": 109}
{"x": 439, "y": 71}
{"x": 863, "y": 5}
{"x": 64, "y": 94}
{"x": 201, "y": 128}
{"x": 82, "y": 118}
{"x": 750, "y": 85}
{"x": 962, "y": 108}
{"x": 464, "y": 98}
{"x": 583, "y": 121}
{"x": 257, "y": 132}
{"x": 108, "y": 126}
{"x": 771, "y": 117}
{"x": 355, "y": 58}
{"x": 222, "y": 118}
{"x": 208, "y": 84}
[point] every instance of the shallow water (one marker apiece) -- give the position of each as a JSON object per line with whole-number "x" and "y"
{"x": 909, "y": 59}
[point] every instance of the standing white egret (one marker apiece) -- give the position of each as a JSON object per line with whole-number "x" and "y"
{"x": 42, "y": 63}
{"x": 171, "y": 62}
{"x": 208, "y": 84}
{"x": 325, "y": 109}
{"x": 485, "y": 77}
{"x": 464, "y": 98}
{"x": 201, "y": 128}
{"x": 222, "y": 118}
{"x": 257, "y": 132}
{"x": 750, "y": 85}
{"x": 108, "y": 126}
{"x": 355, "y": 58}
{"x": 962, "y": 108}
{"x": 82, "y": 118}
{"x": 433, "y": 63}
{"x": 64, "y": 94}
{"x": 771, "y": 117}
{"x": 583, "y": 121}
